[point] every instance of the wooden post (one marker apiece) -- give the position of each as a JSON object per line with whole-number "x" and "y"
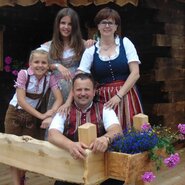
{"x": 87, "y": 133}
{"x": 138, "y": 120}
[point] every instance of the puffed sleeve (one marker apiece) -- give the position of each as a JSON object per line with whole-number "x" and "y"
{"x": 45, "y": 46}
{"x": 21, "y": 80}
{"x": 109, "y": 118}
{"x": 130, "y": 50}
{"x": 53, "y": 83}
{"x": 87, "y": 59}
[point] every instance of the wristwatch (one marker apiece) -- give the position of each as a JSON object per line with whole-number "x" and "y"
{"x": 108, "y": 139}
{"x": 56, "y": 66}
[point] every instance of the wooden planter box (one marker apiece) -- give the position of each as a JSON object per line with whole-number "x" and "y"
{"x": 128, "y": 167}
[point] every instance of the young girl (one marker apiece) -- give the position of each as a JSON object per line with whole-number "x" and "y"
{"x": 65, "y": 51}
{"x": 31, "y": 86}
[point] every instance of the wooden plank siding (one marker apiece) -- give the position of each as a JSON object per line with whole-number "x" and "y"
{"x": 162, "y": 80}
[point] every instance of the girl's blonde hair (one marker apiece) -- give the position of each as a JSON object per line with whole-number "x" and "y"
{"x": 37, "y": 51}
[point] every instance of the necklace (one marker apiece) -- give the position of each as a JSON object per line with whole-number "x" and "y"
{"x": 106, "y": 49}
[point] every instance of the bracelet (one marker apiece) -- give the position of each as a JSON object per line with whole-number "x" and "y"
{"x": 56, "y": 65}
{"x": 108, "y": 139}
{"x": 118, "y": 96}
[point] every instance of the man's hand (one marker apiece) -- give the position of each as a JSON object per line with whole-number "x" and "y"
{"x": 100, "y": 144}
{"x": 77, "y": 150}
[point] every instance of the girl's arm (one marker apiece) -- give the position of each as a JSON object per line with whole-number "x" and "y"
{"x": 63, "y": 70}
{"x": 58, "y": 99}
{"x": 21, "y": 97}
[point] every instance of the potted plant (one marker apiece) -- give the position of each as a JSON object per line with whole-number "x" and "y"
{"x": 133, "y": 156}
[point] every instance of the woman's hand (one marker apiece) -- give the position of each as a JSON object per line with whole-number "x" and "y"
{"x": 89, "y": 43}
{"x": 113, "y": 102}
{"x": 64, "y": 109}
{"x": 65, "y": 72}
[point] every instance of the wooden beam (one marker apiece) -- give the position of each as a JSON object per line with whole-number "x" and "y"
{"x": 40, "y": 157}
{"x": 44, "y": 158}
{"x": 168, "y": 40}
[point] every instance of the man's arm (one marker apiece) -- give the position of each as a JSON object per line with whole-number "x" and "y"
{"x": 112, "y": 131}
{"x": 101, "y": 144}
{"x": 112, "y": 127}
{"x": 56, "y": 137}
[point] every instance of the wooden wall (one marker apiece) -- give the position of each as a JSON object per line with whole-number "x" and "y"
{"x": 163, "y": 82}
{"x": 155, "y": 27}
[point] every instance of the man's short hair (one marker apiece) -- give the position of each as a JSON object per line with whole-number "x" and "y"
{"x": 84, "y": 76}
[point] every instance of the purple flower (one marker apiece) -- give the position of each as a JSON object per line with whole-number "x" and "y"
{"x": 172, "y": 161}
{"x": 8, "y": 60}
{"x": 148, "y": 177}
{"x": 145, "y": 126}
{"x": 181, "y": 128}
{"x": 7, "y": 68}
{"x": 15, "y": 72}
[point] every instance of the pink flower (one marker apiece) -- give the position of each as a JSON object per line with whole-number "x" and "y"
{"x": 15, "y": 72}
{"x": 8, "y": 60}
{"x": 172, "y": 161}
{"x": 145, "y": 126}
{"x": 181, "y": 128}
{"x": 7, "y": 68}
{"x": 148, "y": 177}
{"x": 181, "y": 136}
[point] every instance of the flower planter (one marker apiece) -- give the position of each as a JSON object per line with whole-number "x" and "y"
{"x": 127, "y": 167}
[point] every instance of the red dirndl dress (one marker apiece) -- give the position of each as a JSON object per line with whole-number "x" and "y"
{"x": 129, "y": 106}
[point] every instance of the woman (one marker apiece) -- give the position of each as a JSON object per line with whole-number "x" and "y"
{"x": 114, "y": 63}
{"x": 65, "y": 51}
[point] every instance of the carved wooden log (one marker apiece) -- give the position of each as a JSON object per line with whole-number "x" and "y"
{"x": 42, "y": 157}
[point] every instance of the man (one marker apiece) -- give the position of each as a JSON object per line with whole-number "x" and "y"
{"x": 63, "y": 130}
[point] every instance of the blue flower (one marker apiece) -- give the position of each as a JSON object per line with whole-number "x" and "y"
{"x": 133, "y": 141}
